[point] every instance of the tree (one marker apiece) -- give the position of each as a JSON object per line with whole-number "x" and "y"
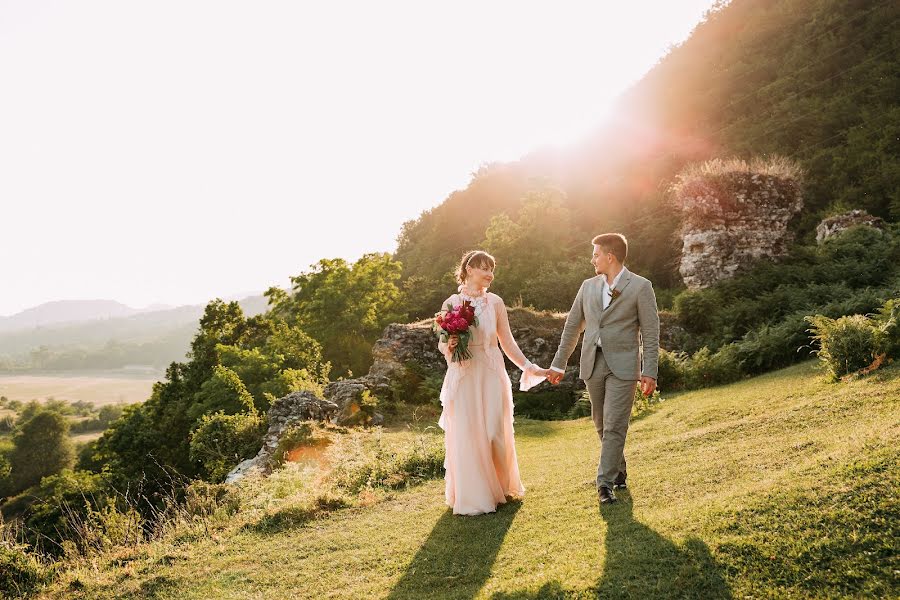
{"x": 344, "y": 307}
{"x": 41, "y": 447}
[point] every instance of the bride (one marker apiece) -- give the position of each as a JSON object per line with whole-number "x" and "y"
{"x": 481, "y": 466}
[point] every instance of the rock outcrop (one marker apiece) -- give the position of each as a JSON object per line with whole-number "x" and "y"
{"x": 411, "y": 349}
{"x": 835, "y": 225}
{"x": 284, "y": 412}
{"x": 734, "y": 214}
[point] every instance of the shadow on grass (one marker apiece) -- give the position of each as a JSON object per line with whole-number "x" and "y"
{"x": 456, "y": 559}
{"x": 641, "y": 563}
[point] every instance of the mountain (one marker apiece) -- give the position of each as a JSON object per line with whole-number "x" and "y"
{"x": 141, "y": 337}
{"x": 66, "y": 311}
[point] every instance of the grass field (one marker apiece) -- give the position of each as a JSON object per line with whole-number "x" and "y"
{"x": 782, "y": 486}
{"x": 97, "y": 389}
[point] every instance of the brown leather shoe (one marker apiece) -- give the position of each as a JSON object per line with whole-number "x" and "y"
{"x": 606, "y": 495}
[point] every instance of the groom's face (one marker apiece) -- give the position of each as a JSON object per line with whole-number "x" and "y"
{"x": 600, "y": 260}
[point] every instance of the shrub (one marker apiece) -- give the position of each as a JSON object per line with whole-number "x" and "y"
{"x": 582, "y": 407}
{"x": 417, "y": 385}
{"x": 672, "y": 369}
{"x": 41, "y": 447}
{"x": 58, "y": 505}
{"x": 223, "y": 392}
{"x": 846, "y": 345}
{"x": 204, "y": 499}
{"x": 221, "y": 441}
{"x": 693, "y": 309}
{"x": 713, "y": 368}
{"x": 553, "y": 404}
{"x": 887, "y": 323}
{"x": 21, "y": 573}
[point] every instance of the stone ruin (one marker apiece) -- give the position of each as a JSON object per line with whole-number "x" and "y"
{"x": 834, "y": 225}
{"x": 734, "y": 214}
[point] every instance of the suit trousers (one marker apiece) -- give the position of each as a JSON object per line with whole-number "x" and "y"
{"x": 611, "y": 402}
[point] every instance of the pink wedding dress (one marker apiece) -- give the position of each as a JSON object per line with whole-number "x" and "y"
{"x": 477, "y": 418}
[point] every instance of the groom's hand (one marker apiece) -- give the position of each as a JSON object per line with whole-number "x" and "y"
{"x": 554, "y": 377}
{"x": 648, "y": 385}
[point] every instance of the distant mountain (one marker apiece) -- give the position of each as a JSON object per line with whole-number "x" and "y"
{"x": 66, "y": 311}
{"x": 134, "y": 336}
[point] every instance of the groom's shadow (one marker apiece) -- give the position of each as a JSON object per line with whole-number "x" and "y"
{"x": 641, "y": 563}
{"x": 456, "y": 559}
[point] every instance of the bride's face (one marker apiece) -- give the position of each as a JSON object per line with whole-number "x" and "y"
{"x": 479, "y": 277}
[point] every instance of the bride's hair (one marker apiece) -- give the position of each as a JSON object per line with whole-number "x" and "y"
{"x": 474, "y": 258}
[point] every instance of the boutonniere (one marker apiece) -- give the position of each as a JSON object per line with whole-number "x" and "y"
{"x": 613, "y": 294}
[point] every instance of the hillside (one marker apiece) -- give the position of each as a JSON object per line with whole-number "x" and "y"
{"x": 813, "y": 80}
{"x": 780, "y": 486}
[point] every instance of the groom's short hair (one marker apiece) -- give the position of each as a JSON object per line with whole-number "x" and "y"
{"x": 614, "y": 243}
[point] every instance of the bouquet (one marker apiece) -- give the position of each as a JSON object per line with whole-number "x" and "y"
{"x": 456, "y": 321}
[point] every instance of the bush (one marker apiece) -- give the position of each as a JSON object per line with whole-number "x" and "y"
{"x": 709, "y": 368}
{"x": 887, "y": 323}
{"x": 582, "y": 407}
{"x": 204, "y": 499}
{"x": 55, "y": 510}
{"x": 221, "y": 441}
{"x": 846, "y": 345}
{"x": 223, "y": 392}
{"x": 550, "y": 405}
{"x": 672, "y": 369}
{"x": 41, "y": 447}
{"x": 417, "y": 385}
{"x": 21, "y": 573}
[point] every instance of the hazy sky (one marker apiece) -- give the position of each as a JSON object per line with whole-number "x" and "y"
{"x": 177, "y": 151}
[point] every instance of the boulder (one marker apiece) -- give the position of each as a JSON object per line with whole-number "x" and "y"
{"x": 835, "y": 225}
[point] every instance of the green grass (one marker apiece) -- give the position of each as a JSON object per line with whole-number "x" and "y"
{"x": 782, "y": 486}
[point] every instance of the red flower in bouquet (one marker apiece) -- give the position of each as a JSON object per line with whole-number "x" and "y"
{"x": 458, "y": 321}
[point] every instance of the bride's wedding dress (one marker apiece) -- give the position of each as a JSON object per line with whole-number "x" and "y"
{"x": 477, "y": 418}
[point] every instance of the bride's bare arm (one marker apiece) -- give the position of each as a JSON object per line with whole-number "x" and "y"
{"x": 507, "y": 342}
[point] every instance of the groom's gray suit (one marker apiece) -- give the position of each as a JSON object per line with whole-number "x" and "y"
{"x": 611, "y": 371}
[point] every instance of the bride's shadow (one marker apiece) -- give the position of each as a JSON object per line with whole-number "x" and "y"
{"x": 456, "y": 559}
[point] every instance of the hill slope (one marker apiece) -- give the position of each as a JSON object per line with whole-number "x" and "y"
{"x": 814, "y": 80}
{"x": 779, "y": 486}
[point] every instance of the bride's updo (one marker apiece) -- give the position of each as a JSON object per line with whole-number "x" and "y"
{"x": 474, "y": 258}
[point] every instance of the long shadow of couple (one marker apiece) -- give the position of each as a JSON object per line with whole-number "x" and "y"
{"x": 456, "y": 560}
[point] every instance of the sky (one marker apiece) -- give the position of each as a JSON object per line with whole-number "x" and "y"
{"x": 172, "y": 152}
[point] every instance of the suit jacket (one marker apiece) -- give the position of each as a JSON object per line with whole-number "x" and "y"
{"x": 630, "y": 323}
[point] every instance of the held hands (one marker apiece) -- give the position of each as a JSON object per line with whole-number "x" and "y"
{"x": 553, "y": 377}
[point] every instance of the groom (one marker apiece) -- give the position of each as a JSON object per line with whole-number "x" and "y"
{"x": 617, "y": 313}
